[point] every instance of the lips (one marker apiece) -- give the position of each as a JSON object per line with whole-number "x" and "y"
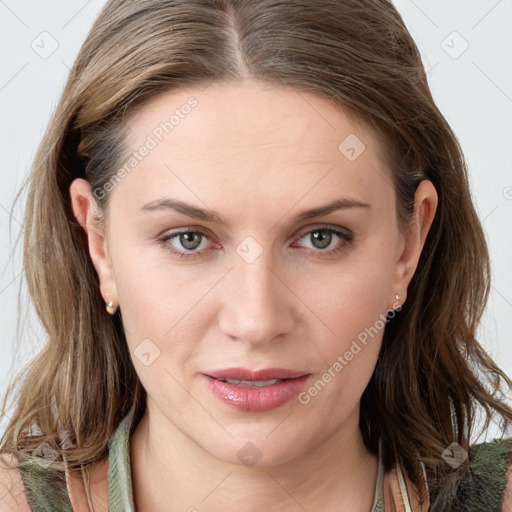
{"x": 255, "y": 390}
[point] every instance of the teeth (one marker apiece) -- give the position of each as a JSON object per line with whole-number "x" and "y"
{"x": 252, "y": 383}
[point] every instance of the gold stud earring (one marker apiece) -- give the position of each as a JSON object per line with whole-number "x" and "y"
{"x": 397, "y": 299}
{"x": 111, "y": 309}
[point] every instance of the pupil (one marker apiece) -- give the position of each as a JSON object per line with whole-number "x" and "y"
{"x": 322, "y": 237}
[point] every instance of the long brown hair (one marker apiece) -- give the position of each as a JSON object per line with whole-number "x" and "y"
{"x": 432, "y": 376}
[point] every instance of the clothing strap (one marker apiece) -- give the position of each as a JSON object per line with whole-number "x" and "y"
{"x": 120, "y": 496}
{"x": 378, "y": 499}
{"x": 403, "y": 490}
{"x": 45, "y": 487}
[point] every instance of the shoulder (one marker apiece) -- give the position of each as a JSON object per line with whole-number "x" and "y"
{"x": 12, "y": 490}
{"x": 487, "y": 483}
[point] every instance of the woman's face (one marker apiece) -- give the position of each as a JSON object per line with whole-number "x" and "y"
{"x": 256, "y": 283}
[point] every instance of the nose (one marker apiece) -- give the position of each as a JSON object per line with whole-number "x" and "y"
{"x": 257, "y": 303}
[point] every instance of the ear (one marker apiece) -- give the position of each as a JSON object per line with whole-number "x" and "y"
{"x": 84, "y": 209}
{"x": 425, "y": 205}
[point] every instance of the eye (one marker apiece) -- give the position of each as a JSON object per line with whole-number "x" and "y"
{"x": 183, "y": 242}
{"x": 322, "y": 238}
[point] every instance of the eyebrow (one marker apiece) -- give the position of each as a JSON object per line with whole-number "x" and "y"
{"x": 167, "y": 203}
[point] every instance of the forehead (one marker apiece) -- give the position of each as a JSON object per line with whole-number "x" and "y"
{"x": 250, "y": 113}
{"x": 250, "y": 137}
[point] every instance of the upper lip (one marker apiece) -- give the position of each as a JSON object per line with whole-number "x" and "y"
{"x": 263, "y": 374}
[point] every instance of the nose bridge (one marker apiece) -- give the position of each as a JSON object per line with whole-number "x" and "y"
{"x": 257, "y": 304}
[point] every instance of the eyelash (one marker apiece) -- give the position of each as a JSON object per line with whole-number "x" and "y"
{"x": 344, "y": 234}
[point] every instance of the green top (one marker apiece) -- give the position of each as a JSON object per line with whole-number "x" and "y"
{"x": 480, "y": 491}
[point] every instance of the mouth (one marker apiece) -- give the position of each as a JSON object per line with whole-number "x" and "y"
{"x": 263, "y": 375}
{"x": 252, "y": 383}
{"x": 255, "y": 390}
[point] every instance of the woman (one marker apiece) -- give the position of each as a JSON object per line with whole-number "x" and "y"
{"x": 278, "y": 220}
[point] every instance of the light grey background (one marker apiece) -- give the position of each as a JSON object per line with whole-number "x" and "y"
{"x": 466, "y": 46}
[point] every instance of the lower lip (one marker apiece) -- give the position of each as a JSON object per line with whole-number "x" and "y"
{"x": 256, "y": 399}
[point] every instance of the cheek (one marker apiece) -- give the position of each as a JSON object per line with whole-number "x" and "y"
{"x": 356, "y": 323}
{"x": 165, "y": 303}
{"x": 164, "y": 318}
{"x": 346, "y": 359}
{"x": 351, "y": 304}
{"x": 154, "y": 293}
{"x": 350, "y": 299}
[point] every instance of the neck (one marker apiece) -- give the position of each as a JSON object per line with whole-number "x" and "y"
{"x": 170, "y": 471}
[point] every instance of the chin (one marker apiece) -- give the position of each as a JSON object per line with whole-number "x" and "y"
{"x": 256, "y": 450}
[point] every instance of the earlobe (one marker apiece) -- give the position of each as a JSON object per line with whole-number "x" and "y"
{"x": 84, "y": 208}
{"x": 425, "y": 205}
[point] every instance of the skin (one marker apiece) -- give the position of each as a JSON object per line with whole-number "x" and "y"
{"x": 256, "y": 154}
